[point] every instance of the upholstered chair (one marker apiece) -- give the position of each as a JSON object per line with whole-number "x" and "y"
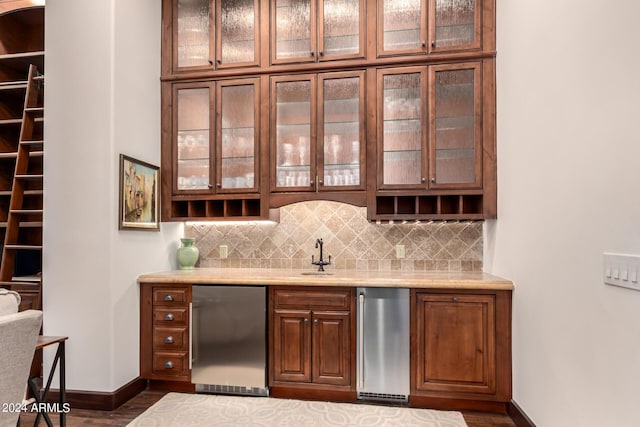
{"x": 18, "y": 335}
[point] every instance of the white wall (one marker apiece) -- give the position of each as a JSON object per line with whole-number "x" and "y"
{"x": 102, "y": 99}
{"x": 568, "y": 177}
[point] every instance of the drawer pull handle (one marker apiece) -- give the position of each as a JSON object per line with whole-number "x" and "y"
{"x": 168, "y": 340}
{"x": 168, "y": 316}
{"x": 455, "y": 299}
{"x": 168, "y": 297}
{"x": 168, "y": 365}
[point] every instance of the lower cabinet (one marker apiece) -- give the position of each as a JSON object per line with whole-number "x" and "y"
{"x": 461, "y": 348}
{"x": 312, "y": 342}
{"x": 164, "y": 332}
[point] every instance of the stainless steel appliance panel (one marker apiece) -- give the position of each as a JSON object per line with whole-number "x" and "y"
{"x": 383, "y": 343}
{"x": 228, "y": 336}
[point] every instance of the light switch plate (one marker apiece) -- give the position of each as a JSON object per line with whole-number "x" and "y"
{"x": 224, "y": 251}
{"x": 621, "y": 270}
{"x": 400, "y": 251}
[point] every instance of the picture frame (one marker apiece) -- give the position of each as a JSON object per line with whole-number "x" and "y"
{"x": 139, "y": 195}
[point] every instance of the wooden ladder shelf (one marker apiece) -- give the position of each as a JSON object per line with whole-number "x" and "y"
{"x": 24, "y": 221}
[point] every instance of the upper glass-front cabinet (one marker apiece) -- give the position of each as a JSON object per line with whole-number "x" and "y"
{"x": 318, "y": 130}
{"x": 215, "y": 34}
{"x": 317, "y": 30}
{"x": 229, "y": 164}
{"x": 429, "y": 127}
{"x": 428, "y": 26}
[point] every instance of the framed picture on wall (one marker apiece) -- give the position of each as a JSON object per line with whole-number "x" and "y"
{"x": 139, "y": 195}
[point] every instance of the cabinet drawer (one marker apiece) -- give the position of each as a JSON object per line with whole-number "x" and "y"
{"x": 170, "y": 338}
{"x": 169, "y": 296}
{"x": 170, "y": 363}
{"x": 170, "y": 316}
{"x": 323, "y": 299}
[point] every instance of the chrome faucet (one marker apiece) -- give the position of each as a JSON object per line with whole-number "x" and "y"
{"x": 321, "y": 263}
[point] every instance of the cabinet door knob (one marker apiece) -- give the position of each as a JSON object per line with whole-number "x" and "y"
{"x": 424, "y": 43}
{"x": 168, "y": 365}
{"x": 306, "y": 320}
{"x": 168, "y": 297}
{"x": 315, "y": 321}
{"x": 423, "y": 180}
{"x": 209, "y": 185}
{"x": 218, "y": 185}
{"x": 168, "y": 316}
{"x": 219, "y": 61}
{"x": 321, "y": 182}
{"x": 313, "y": 53}
{"x": 210, "y": 62}
{"x": 433, "y": 43}
{"x": 168, "y": 340}
{"x": 455, "y": 299}
{"x": 321, "y": 53}
{"x": 433, "y": 179}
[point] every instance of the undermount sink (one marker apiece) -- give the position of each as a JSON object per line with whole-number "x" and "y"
{"x": 316, "y": 273}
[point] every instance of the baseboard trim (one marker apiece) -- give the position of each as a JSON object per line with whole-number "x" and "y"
{"x": 520, "y": 419}
{"x": 457, "y": 404}
{"x": 98, "y": 400}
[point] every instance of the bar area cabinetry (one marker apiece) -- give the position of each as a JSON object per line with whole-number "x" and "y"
{"x": 387, "y": 104}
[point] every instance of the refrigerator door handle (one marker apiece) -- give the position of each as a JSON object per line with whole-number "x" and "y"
{"x": 361, "y": 341}
{"x": 190, "y": 335}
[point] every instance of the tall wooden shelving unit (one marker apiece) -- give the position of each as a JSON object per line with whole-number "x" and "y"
{"x": 22, "y": 147}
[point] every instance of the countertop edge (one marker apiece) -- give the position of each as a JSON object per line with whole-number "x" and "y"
{"x": 268, "y": 277}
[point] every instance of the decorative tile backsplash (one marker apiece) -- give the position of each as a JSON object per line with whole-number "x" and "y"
{"x": 351, "y": 240}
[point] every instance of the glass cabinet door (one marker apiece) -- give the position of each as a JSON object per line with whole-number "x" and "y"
{"x": 402, "y": 128}
{"x": 428, "y": 26}
{"x": 293, "y": 131}
{"x": 237, "y": 136}
{"x": 293, "y": 29}
{"x": 193, "y": 130}
{"x": 224, "y": 30}
{"x": 402, "y": 26}
{"x": 317, "y": 30}
{"x": 454, "y": 24}
{"x": 341, "y": 130}
{"x": 237, "y": 24}
{"x": 341, "y": 30}
{"x": 192, "y": 33}
{"x": 455, "y": 115}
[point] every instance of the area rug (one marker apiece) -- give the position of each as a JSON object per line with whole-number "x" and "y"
{"x": 180, "y": 409}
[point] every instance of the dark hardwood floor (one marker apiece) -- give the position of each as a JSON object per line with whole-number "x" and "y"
{"x": 134, "y": 407}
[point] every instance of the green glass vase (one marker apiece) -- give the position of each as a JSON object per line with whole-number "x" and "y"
{"x": 187, "y": 254}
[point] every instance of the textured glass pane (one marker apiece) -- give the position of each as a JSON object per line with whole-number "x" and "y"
{"x": 293, "y": 28}
{"x": 293, "y": 132}
{"x": 402, "y": 131}
{"x": 238, "y": 136}
{"x": 193, "y": 139}
{"x": 455, "y": 22}
{"x": 341, "y": 27}
{"x": 401, "y": 23}
{"x": 455, "y": 126}
{"x": 342, "y": 131}
{"x": 238, "y": 31}
{"x": 193, "y": 33}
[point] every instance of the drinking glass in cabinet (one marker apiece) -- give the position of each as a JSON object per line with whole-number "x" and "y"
{"x": 193, "y": 33}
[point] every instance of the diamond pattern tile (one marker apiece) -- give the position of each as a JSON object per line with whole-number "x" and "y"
{"x": 351, "y": 240}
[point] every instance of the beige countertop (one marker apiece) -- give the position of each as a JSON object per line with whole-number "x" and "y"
{"x": 388, "y": 279}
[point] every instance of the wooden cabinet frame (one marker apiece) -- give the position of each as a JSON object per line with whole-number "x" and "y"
{"x": 423, "y": 201}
